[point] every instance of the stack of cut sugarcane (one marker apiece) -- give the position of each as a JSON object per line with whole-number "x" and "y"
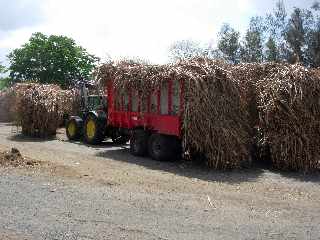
{"x": 283, "y": 101}
{"x": 5, "y": 103}
{"x": 215, "y": 120}
{"x": 8, "y": 99}
{"x": 40, "y": 108}
{"x": 289, "y": 107}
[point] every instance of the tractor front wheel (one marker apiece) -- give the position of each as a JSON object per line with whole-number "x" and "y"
{"x": 93, "y": 130}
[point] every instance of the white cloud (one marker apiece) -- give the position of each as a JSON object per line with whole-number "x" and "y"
{"x": 140, "y": 28}
{"x": 143, "y": 28}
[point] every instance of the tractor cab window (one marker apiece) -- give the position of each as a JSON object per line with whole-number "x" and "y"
{"x": 94, "y": 102}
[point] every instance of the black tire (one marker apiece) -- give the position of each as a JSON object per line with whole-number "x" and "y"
{"x": 139, "y": 143}
{"x": 164, "y": 148}
{"x": 74, "y": 128}
{"x": 93, "y": 130}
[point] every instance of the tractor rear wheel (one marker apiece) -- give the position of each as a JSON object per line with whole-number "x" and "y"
{"x": 74, "y": 129}
{"x": 93, "y": 130}
{"x": 163, "y": 148}
{"x": 139, "y": 143}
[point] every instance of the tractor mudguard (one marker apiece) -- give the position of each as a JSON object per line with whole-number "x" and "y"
{"x": 77, "y": 119}
{"x": 100, "y": 115}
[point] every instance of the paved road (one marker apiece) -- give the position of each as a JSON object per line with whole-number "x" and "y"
{"x": 104, "y": 193}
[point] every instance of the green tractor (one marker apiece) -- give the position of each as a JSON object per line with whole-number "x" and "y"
{"x": 91, "y": 124}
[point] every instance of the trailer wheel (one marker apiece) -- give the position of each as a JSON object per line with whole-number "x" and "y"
{"x": 163, "y": 148}
{"x": 93, "y": 130}
{"x": 139, "y": 143}
{"x": 74, "y": 128}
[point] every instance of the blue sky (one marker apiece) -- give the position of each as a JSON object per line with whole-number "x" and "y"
{"x": 117, "y": 28}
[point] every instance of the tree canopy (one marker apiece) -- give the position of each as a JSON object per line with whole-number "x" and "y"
{"x": 2, "y": 69}
{"x": 51, "y": 59}
{"x": 4, "y": 80}
{"x": 279, "y": 36}
{"x": 228, "y": 43}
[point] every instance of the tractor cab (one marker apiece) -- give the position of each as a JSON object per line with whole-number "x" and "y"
{"x": 91, "y": 102}
{"x": 95, "y": 103}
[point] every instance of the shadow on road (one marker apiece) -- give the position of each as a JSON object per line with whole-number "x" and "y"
{"x": 101, "y": 146}
{"x": 310, "y": 177}
{"x": 184, "y": 168}
{"x": 22, "y": 138}
{"x": 193, "y": 170}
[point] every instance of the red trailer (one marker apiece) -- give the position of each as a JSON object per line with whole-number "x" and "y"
{"x": 152, "y": 123}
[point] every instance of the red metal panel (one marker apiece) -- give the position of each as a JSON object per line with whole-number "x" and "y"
{"x": 170, "y": 97}
{"x": 164, "y": 124}
{"x": 159, "y": 101}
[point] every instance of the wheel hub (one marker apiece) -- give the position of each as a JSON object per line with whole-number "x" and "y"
{"x": 72, "y": 129}
{"x": 91, "y": 129}
{"x": 156, "y": 147}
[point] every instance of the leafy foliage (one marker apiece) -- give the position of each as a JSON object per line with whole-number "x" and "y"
{"x": 2, "y": 69}
{"x": 4, "y": 81}
{"x": 296, "y": 32}
{"x": 277, "y": 37}
{"x": 272, "y": 52}
{"x": 53, "y": 59}
{"x": 228, "y": 43}
{"x": 252, "y": 48}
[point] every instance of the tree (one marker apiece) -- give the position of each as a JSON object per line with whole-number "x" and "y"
{"x": 252, "y": 48}
{"x": 4, "y": 80}
{"x": 228, "y": 43}
{"x": 272, "y": 51}
{"x": 312, "y": 52}
{"x": 2, "y": 69}
{"x": 53, "y": 59}
{"x": 297, "y": 30}
{"x": 185, "y": 49}
{"x": 276, "y": 24}
{"x": 277, "y": 21}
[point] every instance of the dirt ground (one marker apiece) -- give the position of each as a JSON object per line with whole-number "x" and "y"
{"x": 102, "y": 192}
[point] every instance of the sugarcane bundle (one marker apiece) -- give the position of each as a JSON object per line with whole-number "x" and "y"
{"x": 289, "y": 108}
{"x": 215, "y": 119}
{"x": 6, "y": 99}
{"x": 70, "y": 101}
{"x": 40, "y": 108}
{"x": 247, "y": 74}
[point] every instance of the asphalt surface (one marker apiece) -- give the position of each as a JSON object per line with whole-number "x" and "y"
{"x": 104, "y": 193}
